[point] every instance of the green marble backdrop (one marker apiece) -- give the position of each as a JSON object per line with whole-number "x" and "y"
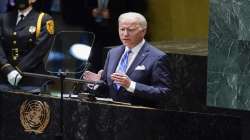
{"x": 228, "y": 84}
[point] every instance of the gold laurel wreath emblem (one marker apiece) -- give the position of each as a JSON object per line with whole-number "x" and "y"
{"x": 34, "y": 116}
{"x": 50, "y": 27}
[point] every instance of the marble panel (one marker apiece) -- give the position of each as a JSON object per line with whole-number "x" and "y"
{"x": 229, "y": 56}
{"x": 228, "y": 90}
{"x": 106, "y": 121}
{"x": 224, "y": 19}
{"x": 244, "y": 19}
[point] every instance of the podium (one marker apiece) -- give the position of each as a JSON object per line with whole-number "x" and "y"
{"x": 106, "y": 121}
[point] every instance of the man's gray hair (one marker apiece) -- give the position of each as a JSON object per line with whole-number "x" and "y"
{"x": 140, "y": 18}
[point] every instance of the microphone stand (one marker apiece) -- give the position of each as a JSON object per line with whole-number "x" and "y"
{"x": 62, "y": 78}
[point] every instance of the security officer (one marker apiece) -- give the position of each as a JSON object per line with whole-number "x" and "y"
{"x": 25, "y": 38}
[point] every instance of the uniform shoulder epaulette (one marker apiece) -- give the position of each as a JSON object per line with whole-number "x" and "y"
{"x": 39, "y": 24}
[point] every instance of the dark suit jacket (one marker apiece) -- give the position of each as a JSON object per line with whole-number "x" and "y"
{"x": 152, "y": 83}
{"x": 31, "y": 50}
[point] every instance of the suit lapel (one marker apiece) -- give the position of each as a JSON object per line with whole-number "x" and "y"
{"x": 139, "y": 58}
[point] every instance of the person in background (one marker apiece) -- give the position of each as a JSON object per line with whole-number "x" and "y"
{"x": 99, "y": 17}
{"x": 135, "y": 72}
{"x": 103, "y": 23}
{"x": 3, "y": 6}
{"x": 26, "y": 37}
{"x": 6, "y": 5}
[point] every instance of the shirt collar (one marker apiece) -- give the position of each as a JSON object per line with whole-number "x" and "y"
{"x": 137, "y": 48}
{"x": 24, "y": 13}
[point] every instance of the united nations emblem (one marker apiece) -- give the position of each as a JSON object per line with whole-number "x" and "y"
{"x": 34, "y": 116}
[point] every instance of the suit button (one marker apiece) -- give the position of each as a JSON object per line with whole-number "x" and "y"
{"x": 30, "y": 40}
{"x": 14, "y": 42}
{"x": 14, "y": 33}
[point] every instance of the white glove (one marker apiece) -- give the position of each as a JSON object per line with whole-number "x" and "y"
{"x": 14, "y": 77}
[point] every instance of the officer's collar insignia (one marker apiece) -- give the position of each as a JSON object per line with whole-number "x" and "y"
{"x": 50, "y": 27}
{"x": 32, "y": 29}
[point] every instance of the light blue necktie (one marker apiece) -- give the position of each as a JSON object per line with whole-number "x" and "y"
{"x": 123, "y": 65}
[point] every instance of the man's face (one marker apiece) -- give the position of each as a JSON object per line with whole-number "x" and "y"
{"x": 130, "y": 32}
{"x": 23, "y": 4}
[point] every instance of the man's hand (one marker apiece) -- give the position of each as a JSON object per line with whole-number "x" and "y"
{"x": 88, "y": 75}
{"x": 14, "y": 77}
{"x": 122, "y": 79}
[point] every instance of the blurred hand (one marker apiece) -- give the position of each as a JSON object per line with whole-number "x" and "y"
{"x": 105, "y": 13}
{"x": 101, "y": 12}
{"x": 14, "y": 77}
{"x": 91, "y": 76}
{"x": 122, "y": 79}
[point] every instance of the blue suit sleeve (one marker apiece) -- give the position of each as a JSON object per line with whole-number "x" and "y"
{"x": 160, "y": 84}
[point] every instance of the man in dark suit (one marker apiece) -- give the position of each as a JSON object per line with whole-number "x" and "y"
{"x": 135, "y": 72}
{"x": 25, "y": 39}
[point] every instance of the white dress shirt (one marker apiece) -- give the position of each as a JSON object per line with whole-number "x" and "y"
{"x": 131, "y": 58}
{"x": 22, "y": 13}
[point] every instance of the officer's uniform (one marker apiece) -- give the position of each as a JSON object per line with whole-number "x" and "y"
{"x": 24, "y": 45}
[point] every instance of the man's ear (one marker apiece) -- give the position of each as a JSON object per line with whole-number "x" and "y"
{"x": 144, "y": 30}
